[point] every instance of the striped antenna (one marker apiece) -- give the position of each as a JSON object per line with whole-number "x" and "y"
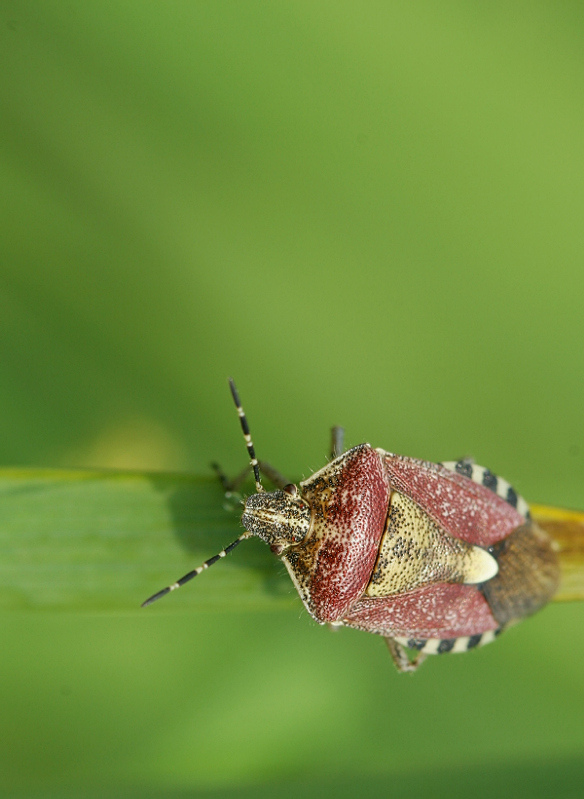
{"x": 195, "y": 572}
{"x": 248, "y": 442}
{"x": 259, "y": 487}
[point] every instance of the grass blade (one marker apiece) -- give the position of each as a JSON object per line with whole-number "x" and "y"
{"x": 105, "y": 541}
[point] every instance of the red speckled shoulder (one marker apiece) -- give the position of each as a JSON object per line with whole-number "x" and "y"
{"x": 349, "y": 498}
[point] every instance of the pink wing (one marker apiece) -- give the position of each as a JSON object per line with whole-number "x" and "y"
{"x": 463, "y": 508}
{"x": 445, "y": 610}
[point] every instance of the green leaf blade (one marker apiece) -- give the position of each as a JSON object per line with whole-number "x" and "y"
{"x": 99, "y": 541}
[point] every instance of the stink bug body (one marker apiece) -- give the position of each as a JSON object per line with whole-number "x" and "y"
{"x": 433, "y": 557}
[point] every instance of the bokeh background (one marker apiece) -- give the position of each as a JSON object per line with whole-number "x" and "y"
{"x": 370, "y": 214}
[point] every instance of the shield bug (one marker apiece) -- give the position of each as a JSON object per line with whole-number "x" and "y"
{"x": 434, "y": 557}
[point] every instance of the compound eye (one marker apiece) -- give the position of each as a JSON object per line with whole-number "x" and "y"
{"x": 290, "y": 489}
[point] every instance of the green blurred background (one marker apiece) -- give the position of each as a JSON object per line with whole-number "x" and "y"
{"x": 370, "y": 214}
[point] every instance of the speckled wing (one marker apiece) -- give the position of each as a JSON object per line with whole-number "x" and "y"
{"x": 464, "y": 508}
{"x": 444, "y": 610}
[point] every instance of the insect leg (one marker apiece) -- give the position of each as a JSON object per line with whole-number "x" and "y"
{"x": 274, "y": 475}
{"x": 400, "y": 656}
{"x": 230, "y": 486}
{"x": 337, "y": 441}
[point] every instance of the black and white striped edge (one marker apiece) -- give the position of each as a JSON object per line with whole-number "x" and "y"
{"x": 438, "y": 646}
{"x": 484, "y": 477}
